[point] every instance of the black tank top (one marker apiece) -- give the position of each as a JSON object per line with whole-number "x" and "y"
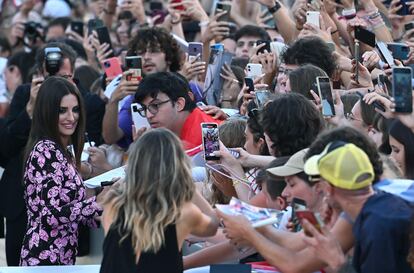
{"x": 120, "y": 257}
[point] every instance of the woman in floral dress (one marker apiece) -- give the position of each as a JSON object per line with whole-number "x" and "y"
{"x": 54, "y": 193}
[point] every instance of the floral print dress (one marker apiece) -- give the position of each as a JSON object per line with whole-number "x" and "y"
{"x": 56, "y": 203}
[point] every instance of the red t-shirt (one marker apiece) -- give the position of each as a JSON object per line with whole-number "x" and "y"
{"x": 191, "y": 131}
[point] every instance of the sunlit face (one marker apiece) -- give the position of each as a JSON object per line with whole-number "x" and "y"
{"x": 283, "y": 78}
{"x": 398, "y": 153}
{"x": 166, "y": 115}
{"x": 153, "y": 60}
{"x": 123, "y": 32}
{"x": 296, "y": 188}
{"x": 68, "y": 117}
{"x": 245, "y": 45}
{"x": 250, "y": 145}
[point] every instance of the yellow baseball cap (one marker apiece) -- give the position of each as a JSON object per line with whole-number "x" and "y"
{"x": 343, "y": 165}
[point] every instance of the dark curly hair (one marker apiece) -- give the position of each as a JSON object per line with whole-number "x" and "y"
{"x": 310, "y": 50}
{"x": 292, "y": 122}
{"x": 349, "y": 135}
{"x": 154, "y": 37}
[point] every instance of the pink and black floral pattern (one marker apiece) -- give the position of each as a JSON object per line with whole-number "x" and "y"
{"x": 56, "y": 203}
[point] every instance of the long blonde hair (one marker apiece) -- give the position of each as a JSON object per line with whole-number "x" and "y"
{"x": 158, "y": 182}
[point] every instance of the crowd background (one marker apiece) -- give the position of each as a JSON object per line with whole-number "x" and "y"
{"x": 291, "y": 146}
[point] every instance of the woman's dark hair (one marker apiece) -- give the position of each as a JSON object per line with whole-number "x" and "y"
{"x": 303, "y": 79}
{"x": 381, "y": 124}
{"x": 405, "y": 136}
{"x": 46, "y": 117}
{"x": 349, "y": 100}
{"x": 310, "y": 50}
{"x": 172, "y": 84}
{"x": 274, "y": 185}
{"x": 156, "y": 37}
{"x": 255, "y": 127}
{"x": 251, "y": 30}
{"x": 24, "y": 61}
{"x": 292, "y": 122}
{"x": 349, "y": 135}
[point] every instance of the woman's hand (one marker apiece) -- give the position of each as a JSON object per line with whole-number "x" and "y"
{"x": 124, "y": 88}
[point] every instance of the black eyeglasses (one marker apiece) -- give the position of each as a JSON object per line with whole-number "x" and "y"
{"x": 152, "y": 108}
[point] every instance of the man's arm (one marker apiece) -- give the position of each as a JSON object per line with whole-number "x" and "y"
{"x": 110, "y": 126}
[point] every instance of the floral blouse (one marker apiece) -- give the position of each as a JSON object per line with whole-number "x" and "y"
{"x": 56, "y": 203}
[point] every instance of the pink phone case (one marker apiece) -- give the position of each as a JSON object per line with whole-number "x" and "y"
{"x": 112, "y": 67}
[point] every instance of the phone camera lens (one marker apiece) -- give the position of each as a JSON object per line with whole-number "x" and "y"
{"x": 107, "y": 64}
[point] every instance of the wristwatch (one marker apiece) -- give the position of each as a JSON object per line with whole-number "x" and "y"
{"x": 275, "y": 8}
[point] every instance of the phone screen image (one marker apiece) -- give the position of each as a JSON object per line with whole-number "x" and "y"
{"x": 262, "y": 97}
{"x": 211, "y": 142}
{"x": 194, "y": 50}
{"x": 402, "y": 89}
{"x": 311, "y": 217}
{"x": 325, "y": 94}
{"x": 134, "y": 64}
{"x": 297, "y": 205}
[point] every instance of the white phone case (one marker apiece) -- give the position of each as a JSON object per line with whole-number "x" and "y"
{"x": 312, "y": 17}
{"x": 138, "y": 120}
{"x": 254, "y": 70}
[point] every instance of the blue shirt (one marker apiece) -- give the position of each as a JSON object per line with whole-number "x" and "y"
{"x": 403, "y": 188}
{"x": 381, "y": 233}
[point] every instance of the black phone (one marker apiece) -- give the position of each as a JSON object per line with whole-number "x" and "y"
{"x": 156, "y": 6}
{"x": 249, "y": 83}
{"x": 103, "y": 36}
{"x": 77, "y": 26}
{"x": 399, "y": 50}
{"x": 325, "y": 95}
{"x": 365, "y": 36}
{"x": 356, "y": 56}
{"x": 223, "y": 7}
{"x": 402, "y": 89}
{"x": 297, "y": 205}
{"x": 266, "y": 47}
{"x": 385, "y": 53}
{"x": 211, "y": 141}
{"x": 408, "y": 26}
{"x": 134, "y": 64}
{"x": 93, "y": 24}
{"x": 405, "y": 9}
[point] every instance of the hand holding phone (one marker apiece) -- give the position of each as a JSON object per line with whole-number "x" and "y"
{"x": 385, "y": 54}
{"x": 263, "y": 48}
{"x": 312, "y": 218}
{"x": 297, "y": 205}
{"x": 254, "y": 70}
{"x": 325, "y": 95}
{"x": 211, "y": 141}
{"x": 312, "y": 17}
{"x": 220, "y": 7}
{"x": 77, "y": 26}
{"x": 103, "y": 36}
{"x": 134, "y": 64}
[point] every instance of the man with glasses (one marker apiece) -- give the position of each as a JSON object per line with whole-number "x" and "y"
{"x": 13, "y": 139}
{"x": 166, "y": 103}
{"x": 160, "y": 53}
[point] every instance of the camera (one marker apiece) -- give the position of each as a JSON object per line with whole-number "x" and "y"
{"x": 107, "y": 64}
{"x": 30, "y": 30}
{"x": 53, "y": 60}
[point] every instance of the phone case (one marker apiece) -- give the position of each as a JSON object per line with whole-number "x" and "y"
{"x": 211, "y": 142}
{"x": 195, "y": 49}
{"x": 112, "y": 67}
{"x": 310, "y": 216}
{"x": 103, "y": 36}
{"x": 328, "y": 109}
{"x": 249, "y": 83}
{"x": 385, "y": 53}
{"x": 402, "y": 89}
{"x": 254, "y": 70}
{"x": 138, "y": 120}
{"x": 312, "y": 17}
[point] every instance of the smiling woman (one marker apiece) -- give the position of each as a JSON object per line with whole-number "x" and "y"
{"x": 55, "y": 196}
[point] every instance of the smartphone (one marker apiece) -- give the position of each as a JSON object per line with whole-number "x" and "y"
{"x": 297, "y": 205}
{"x": 382, "y": 82}
{"x": 365, "y": 36}
{"x": 312, "y": 17}
{"x": 161, "y": 13}
{"x": 404, "y": 10}
{"x": 180, "y": 7}
{"x": 356, "y": 53}
{"x": 385, "y": 54}
{"x": 211, "y": 142}
{"x": 93, "y": 24}
{"x": 103, "y": 36}
{"x": 234, "y": 153}
{"x": 399, "y": 50}
{"x": 325, "y": 95}
{"x": 262, "y": 97}
{"x": 249, "y": 83}
{"x": 112, "y": 67}
{"x": 77, "y": 26}
{"x": 408, "y": 26}
{"x": 138, "y": 120}
{"x": 254, "y": 70}
{"x": 223, "y": 7}
{"x": 155, "y": 6}
{"x": 265, "y": 47}
{"x": 311, "y": 217}
{"x": 134, "y": 64}
{"x": 200, "y": 104}
{"x": 195, "y": 49}
{"x": 402, "y": 89}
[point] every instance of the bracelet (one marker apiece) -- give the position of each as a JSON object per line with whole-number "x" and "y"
{"x": 275, "y": 8}
{"x": 335, "y": 31}
{"x": 175, "y": 22}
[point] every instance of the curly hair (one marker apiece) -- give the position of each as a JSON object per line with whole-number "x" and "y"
{"x": 349, "y": 135}
{"x": 310, "y": 50}
{"x": 292, "y": 123}
{"x": 154, "y": 37}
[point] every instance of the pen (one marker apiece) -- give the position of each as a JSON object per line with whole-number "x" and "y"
{"x": 87, "y": 139}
